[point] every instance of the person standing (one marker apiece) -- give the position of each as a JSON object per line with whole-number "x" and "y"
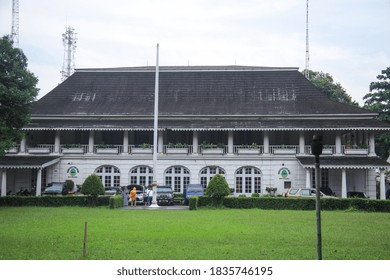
{"x": 150, "y": 196}
{"x": 133, "y": 197}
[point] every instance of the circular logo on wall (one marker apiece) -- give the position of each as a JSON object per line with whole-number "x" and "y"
{"x": 284, "y": 173}
{"x": 72, "y": 172}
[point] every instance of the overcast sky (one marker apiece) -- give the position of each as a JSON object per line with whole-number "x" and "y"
{"x": 350, "y": 39}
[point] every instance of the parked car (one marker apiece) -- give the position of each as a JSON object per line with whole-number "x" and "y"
{"x": 55, "y": 189}
{"x": 112, "y": 191}
{"x": 141, "y": 196}
{"x": 164, "y": 195}
{"x": 327, "y": 191}
{"x": 303, "y": 192}
{"x": 192, "y": 190}
{"x": 357, "y": 194}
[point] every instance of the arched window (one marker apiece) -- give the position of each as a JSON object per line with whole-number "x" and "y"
{"x": 248, "y": 180}
{"x": 208, "y": 172}
{"x": 141, "y": 175}
{"x": 177, "y": 177}
{"x": 109, "y": 175}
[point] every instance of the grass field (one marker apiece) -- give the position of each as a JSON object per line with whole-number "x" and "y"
{"x": 30, "y": 233}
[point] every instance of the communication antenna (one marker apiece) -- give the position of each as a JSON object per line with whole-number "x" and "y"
{"x": 15, "y": 23}
{"x": 307, "y": 42}
{"x": 69, "y": 40}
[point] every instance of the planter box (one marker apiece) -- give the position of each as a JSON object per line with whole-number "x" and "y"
{"x": 177, "y": 150}
{"x": 107, "y": 150}
{"x": 12, "y": 151}
{"x": 212, "y": 151}
{"x": 38, "y": 150}
{"x": 327, "y": 151}
{"x": 141, "y": 150}
{"x": 73, "y": 150}
{"x": 356, "y": 151}
{"x": 246, "y": 151}
{"x": 287, "y": 151}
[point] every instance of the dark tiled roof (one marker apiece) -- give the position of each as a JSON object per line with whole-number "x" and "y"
{"x": 344, "y": 162}
{"x": 212, "y": 124}
{"x": 197, "y": 91}
{"x": 26, "y": 161}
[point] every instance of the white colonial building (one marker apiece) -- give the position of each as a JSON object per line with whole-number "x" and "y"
{"x": 253, "y": 125}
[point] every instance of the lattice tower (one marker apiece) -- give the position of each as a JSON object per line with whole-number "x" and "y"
{"x": 69, "y": 40}
{"x": 307, "y": 42}
{"x": 15, "y": 23}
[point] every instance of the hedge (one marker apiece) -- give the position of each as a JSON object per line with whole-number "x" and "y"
{"x": 116, "y": 201}
{"x": 54, "y": 201}
{"x": 283, "y": 203}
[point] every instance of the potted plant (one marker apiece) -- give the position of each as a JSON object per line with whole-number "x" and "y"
{"x": 212, "y": 149}
{"x": 106, "y": 149}
{"x": 144, "y": 148}
{"x": 177, "y": 148}
{"x": 252, "y": 149}
{"x": 72, "y": 149}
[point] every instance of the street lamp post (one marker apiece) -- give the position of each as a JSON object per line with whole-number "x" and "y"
{"x": 316, "y": 150}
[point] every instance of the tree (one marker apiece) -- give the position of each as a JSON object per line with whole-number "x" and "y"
{"x": 92, "y": 186}
{"x": 217, "y": 189}
{"x": 378, "y": 100}
{"x": 17, "y": 92}
{"x": 328, "y": 86}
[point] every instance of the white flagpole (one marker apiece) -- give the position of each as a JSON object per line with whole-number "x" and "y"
{"x": 155, "y": 132}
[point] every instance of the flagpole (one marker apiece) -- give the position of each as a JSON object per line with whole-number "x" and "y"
{"x": 155, "y": 131}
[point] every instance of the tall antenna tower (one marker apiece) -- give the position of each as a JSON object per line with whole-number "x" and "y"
{"x": 69, "y": 40}
{"x": 15, "y": 23}
{"x": 307, "y": 75}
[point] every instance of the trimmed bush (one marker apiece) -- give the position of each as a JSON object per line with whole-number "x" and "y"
{"x": 93, "y": 187}
{"x": 116, "y": 201}
{"x": 217, "y": 189}
{"x": 193, "y": 203}
{"x": 53, "y": 201}
{"x": 282, "y": 203}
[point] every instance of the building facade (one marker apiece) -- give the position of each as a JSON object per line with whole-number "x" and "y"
{"x": 253, "y": 125}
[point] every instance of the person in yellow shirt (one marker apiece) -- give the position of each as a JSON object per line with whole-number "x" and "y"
{"x": 133, "y": 195}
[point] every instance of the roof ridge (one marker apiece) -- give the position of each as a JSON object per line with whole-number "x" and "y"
{"x": 203, "y": 68}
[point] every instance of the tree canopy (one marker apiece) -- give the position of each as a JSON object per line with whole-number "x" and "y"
{"x": 326, "y": 83}
{"x": 17, "y": 92}
{"x": 378, "y": 100}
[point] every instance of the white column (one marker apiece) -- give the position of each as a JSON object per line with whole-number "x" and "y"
{"x": 266, "y": 142}
{"x": 195, "y": 142}
{"x": 39, "y": 182}
{"x": 382, "y": 185}
{"x": 371, "y": 145}
{"x": 308, "y": 176}
{"x": 125, "y": 142}
{"x": 344, "y": 183}
{"x": 22, "y": 149}
{"x": 3, "y": 182}
{"x": 338, "y": 144}
{"x": 160, "y": 144}
{"x": 57, "y": 142}
{"x": 230, "y": 142}
{"x": 301, "y": 142}
{"x": 91, "y": 142}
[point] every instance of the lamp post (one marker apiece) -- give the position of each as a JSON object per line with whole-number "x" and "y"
{"x": 316, "y": 150}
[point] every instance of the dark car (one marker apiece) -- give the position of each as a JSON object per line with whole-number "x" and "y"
{"x": 357, "y": 194}
{"x": 141, "y": 196}
{"x": 55, "y": 189}
{"x": 327, "y": 191}
{"x": 192, "y": 190}
{"x": 164, "y": 195}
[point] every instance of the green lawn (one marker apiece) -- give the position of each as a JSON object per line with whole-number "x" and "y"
{"x": 57, "y": 233}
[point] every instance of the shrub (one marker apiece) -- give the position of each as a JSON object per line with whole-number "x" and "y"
{"x": 217, "y": 189}
{"x": 255, "y": 195}
{"x": 93, "y": 187}
{"x": 69, "y": 185}
{"x": 116, "y": 201}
